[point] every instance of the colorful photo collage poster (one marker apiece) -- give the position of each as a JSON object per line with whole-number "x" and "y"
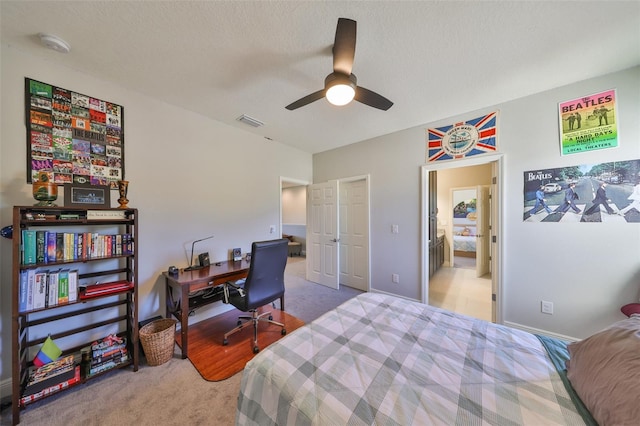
{"x": 75, "y": 138}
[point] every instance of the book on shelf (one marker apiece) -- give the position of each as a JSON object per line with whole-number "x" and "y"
{"x": 72, "y": 290}
{"x": 50, "y": 374}
{"x": 40, "y": 290}
{"x": 47, "y": 288}
{"x": 51, "y": 369}
{"x": 59, "y": 246}
{"x": 51, "y": 247}
{"x": 108, "y": 365}
{"x": 93, "y": 290}
{"x": 22, "y": 297}
{"x": 27, "y": 399}
{"x": 105, "y": 214}
{"x": 31, "y": 279}
{"x": 69, "y": 216}
{"x": 41, "y": 246}
{"x": 28, "y": 247}
{"x": 69, "y": 238}
{"x": 63, "y": 286}
{"x": 107, "y": 343}
{"x": 52, "y": 288}
{"x": 108, "y": 354}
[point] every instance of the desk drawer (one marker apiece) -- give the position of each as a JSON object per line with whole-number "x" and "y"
{"x": 234, "y": 276}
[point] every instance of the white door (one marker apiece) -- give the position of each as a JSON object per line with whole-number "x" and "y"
{"x": 482, "y": 230}
{"x": 322, "y": 234}
{"x": 354, "y": 234}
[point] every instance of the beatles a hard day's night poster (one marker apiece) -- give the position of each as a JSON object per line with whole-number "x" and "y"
{"x": 588, "y": 123}
{"x": 73, "y": 137}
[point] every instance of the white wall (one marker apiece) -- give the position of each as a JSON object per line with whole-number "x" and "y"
{"x": 189, "y": 176}
{"x": 588, "y": 270}
{"x": 294, "y": 205}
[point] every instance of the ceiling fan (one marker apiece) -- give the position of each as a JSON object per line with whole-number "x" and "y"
{"x": 340, "y": 87}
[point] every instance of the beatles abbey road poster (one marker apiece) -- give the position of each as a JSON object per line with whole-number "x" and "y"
{"x": 601, "y": 192}
{"x": 74, "y": 137}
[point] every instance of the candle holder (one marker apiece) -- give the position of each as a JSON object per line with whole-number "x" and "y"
{"x": 123, "y": 187}
{"x": 45, "y": 191}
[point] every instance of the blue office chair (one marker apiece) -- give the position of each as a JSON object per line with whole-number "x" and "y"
{"x": 264, "y": 284}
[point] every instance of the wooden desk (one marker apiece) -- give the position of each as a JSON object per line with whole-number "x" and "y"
{"x": 189, "y": 282}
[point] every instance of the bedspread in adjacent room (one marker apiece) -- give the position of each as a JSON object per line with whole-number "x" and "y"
{"x": 464, "y": 243}
{"x": 384, "y": 360}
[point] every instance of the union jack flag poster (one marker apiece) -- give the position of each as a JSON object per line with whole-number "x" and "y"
{"x": 463, "y": 139}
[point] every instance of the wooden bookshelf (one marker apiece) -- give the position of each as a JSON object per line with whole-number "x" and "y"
{"x": 80, "y": 318}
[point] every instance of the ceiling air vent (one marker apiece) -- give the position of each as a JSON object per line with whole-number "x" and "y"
{"x": 250, "y": 121}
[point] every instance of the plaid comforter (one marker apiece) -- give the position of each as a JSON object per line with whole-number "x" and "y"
{"x": 382, "y": 360}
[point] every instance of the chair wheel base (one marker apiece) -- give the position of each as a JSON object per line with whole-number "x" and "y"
{"x": 256, "y": 349}
{"x": 283, "y": 332}
{"x": 225, "y": 342}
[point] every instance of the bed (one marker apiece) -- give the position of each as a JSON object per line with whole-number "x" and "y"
{"x": 383, "y": 360}
{"x": 464, "y": 238}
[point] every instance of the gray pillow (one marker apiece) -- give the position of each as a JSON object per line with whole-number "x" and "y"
{"x": 604, "y": 370}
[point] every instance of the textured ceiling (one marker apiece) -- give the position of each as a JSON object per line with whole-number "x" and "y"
{"x": 433, "y": 59}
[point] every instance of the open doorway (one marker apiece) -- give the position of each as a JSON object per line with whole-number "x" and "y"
{"x": 470, "y": 215}
{"x": 462, "y": 284}
{"x": 293, "y": 214}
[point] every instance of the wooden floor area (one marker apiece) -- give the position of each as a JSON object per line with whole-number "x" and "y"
{"x": 213, "y": 360}
{"x": 459, "y": 290}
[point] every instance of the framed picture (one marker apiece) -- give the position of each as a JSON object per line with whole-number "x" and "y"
{"x": 74, "y": 137}
{"x": 87, "y": 196}
{"x": 237, "y": 254}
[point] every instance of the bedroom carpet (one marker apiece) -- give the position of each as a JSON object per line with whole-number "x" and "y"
{"x": 173, "y": 393}
{"x": 216, "y": 362}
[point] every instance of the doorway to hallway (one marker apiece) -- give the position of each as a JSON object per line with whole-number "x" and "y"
{"x": 458, "y": 285}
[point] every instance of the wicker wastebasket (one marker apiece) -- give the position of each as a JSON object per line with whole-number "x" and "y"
{"x": 158, "y": 340}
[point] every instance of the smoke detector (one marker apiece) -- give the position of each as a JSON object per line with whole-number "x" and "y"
{"x": 54, "y": 42}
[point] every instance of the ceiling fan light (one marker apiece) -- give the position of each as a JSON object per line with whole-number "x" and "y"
{"x": 340, "y": 88}
{"x": 340, "y": 94}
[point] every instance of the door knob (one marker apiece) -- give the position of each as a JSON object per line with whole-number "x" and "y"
{"x": 335, "y": 240}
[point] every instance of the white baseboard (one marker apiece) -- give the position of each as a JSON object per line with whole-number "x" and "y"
{"x": 538, "y": 331}
{"x": 373, "y": 290}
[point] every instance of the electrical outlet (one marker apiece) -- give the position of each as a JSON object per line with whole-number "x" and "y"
{"x": 547, "y": 307}
{"x": 394, "y": 229}
{"x": 272, "y": 229}
{"x": 395, "y": 278}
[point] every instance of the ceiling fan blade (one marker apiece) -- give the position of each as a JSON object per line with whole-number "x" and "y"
{"x": 344, "y": 46}
{"x": 306, "y": 100}
{"x": 372, "y": 99}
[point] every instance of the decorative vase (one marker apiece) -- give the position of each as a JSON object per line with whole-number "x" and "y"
{"x": 45, "y": 191}
{"x": 123, "y": 186}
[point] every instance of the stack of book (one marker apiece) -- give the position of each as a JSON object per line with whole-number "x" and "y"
{"x": 47, "y": 246}
{"x": 41, "y": 289}
{"x": 108, "y": 353}
{"x": 50, "y": 378}
{"x": 95, "y": 290}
